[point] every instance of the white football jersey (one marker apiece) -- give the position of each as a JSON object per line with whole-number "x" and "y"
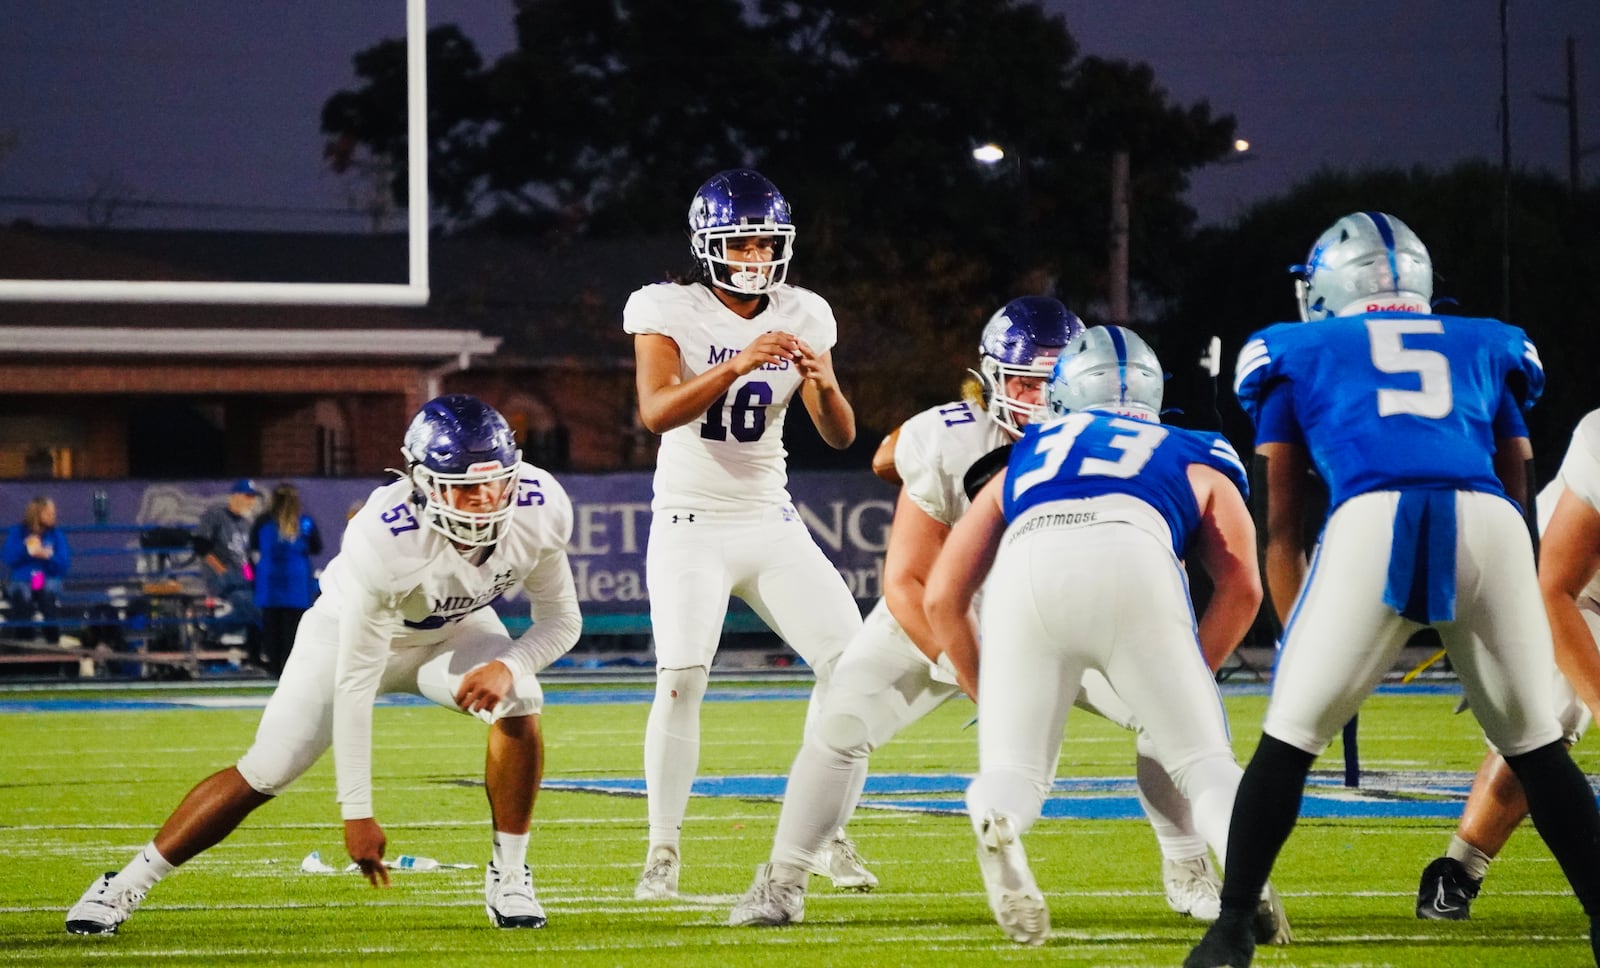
{"x": 733, "y": 458}
{"x": 934, "y": 451}
{"x": 1580, "y": 474}
{"x": 409, "y": 582}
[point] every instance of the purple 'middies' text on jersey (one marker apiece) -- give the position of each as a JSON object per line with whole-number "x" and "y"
{"x": 1087, "y": 454}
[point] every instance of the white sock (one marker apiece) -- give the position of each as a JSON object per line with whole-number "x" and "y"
{"x": 510, "y": 851}
{"x": 1007, "y": 792}
{"x": 1168, "y": 811}
{"x": 1474, "y": 860}
{"x": 672, "y": 750}
{"x": 821, "y": 793}
{"x": 146, "y": 868}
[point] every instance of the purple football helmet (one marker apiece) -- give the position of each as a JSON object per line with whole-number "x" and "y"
{"x": 1023, "y": 339}
{"x": 741, "y": 204}
{"x": 462, "y": 457}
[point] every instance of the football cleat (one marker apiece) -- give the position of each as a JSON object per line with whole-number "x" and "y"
{"x": 508, "y": 898}
{"x": 659, "y": 880}
{"x": 103, "y": 907}
{"x": 1228, "y": 943}
{"x": 1014, "y": 896}
{"x": 840, "y": 862}
{"x": 1446, "y": 892}
{"x": 769, "y": 903}
{"x": 1270, "y": 923}
{"x": 1192, "y": 887}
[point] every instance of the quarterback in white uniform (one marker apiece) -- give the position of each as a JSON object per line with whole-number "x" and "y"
{"x": 892, "y": 675}
{"x": 405, "y": 608}
{"x": 720, "y": 356}
{"x": 1569, "y": 577}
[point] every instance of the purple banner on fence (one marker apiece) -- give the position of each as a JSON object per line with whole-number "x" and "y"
{"x": 848, "y": 513}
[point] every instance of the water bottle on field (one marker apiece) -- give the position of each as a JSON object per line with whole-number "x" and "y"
{"x": 407, "y": 862}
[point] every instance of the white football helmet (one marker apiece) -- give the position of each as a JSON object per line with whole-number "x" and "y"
{"x": 1367, "y": 262}
{"x": 1108, "y": 369}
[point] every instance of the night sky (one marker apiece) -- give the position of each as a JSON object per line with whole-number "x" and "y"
{"x": 216, "y": 101}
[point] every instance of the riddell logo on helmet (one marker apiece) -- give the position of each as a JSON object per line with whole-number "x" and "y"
{"x": 1394, "y": 307}
{"x": 484, "y": 467}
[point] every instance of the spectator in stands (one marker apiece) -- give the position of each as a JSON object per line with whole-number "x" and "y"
{"x": 222, "y": 541}
{"x": 282, "y": 543}
{"x": 37, "y": 558}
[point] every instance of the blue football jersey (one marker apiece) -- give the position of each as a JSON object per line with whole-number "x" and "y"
{"x": 1087, "y": 454}
{"x": 1391, "y": 401}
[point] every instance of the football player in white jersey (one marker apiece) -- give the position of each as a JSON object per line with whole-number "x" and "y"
{"x": 891, "y": 675}
{"x": 1086, "y": 532}
{"x": 1569, "y": 578}
{"x": 405, "y": 608}
{"x": 720, "y": 355}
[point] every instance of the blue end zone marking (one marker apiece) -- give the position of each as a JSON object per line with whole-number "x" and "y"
{"x": 1437, "y": 796}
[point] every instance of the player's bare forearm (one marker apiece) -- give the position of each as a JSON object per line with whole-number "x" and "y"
{"x": 1286, "y": 572}
{"x": 829, "y": 408}
{"x": 1228, "y": 616}
{"x": 1576, "y": 655}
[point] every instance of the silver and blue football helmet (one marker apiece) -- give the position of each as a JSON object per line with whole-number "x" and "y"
{"x": 460, "y": 451}
{"x": 1022, "y": 339}
{"x": 1367, "y": 262}
{"x": 738, "y": 204}
{"x": 1108, "y": 369}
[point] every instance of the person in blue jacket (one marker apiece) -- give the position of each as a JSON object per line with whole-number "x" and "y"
{"x": 37, "y": 559}
{"x": 283, "y": 541}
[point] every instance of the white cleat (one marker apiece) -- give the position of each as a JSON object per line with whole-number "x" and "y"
{"x": 769, "y": 902}
{"x": 1014, "y": 896}
{"x": 508, "y": 898}
{"x": 840, "y": 862}
{"x": 103, "y": 907}
{"x": 659, "y": 880}
{"x": 1192, "y": 887}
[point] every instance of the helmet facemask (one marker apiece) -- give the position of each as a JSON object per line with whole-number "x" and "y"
{"x": 737, "y": 275}
{"x": 471, "y": 508}
{"x": 1004, "y": 409}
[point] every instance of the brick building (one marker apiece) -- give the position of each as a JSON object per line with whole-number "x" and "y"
{"x": 110, "y": 390}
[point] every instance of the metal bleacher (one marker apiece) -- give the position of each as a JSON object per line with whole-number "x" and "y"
{"x": 133, "y": 606}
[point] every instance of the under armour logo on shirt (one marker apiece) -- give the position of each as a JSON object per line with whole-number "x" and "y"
{"x": 686, "y": 517}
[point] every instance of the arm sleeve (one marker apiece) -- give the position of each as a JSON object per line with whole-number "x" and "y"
{"x": 205, "y": 534}
{"x": 368, "y": 622}
{"x": 61, "y": 556}
{"x": 313, "y": 537}
{"x": 557, "y": 622}
{"x": 15, "y": 552}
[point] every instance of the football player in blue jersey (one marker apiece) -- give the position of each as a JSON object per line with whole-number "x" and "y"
{"x": 1414, "y": 421}
{"x": 1079, "y": 550}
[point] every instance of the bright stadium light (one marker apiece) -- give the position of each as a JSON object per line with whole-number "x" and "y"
{"x": 988, "y": 154}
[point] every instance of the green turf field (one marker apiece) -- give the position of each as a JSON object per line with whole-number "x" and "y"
{"x": 81, "y": 790}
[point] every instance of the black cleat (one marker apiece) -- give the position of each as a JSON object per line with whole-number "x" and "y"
{"x": 1446, "y": 892}
{"x": 1229, "y": 943}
